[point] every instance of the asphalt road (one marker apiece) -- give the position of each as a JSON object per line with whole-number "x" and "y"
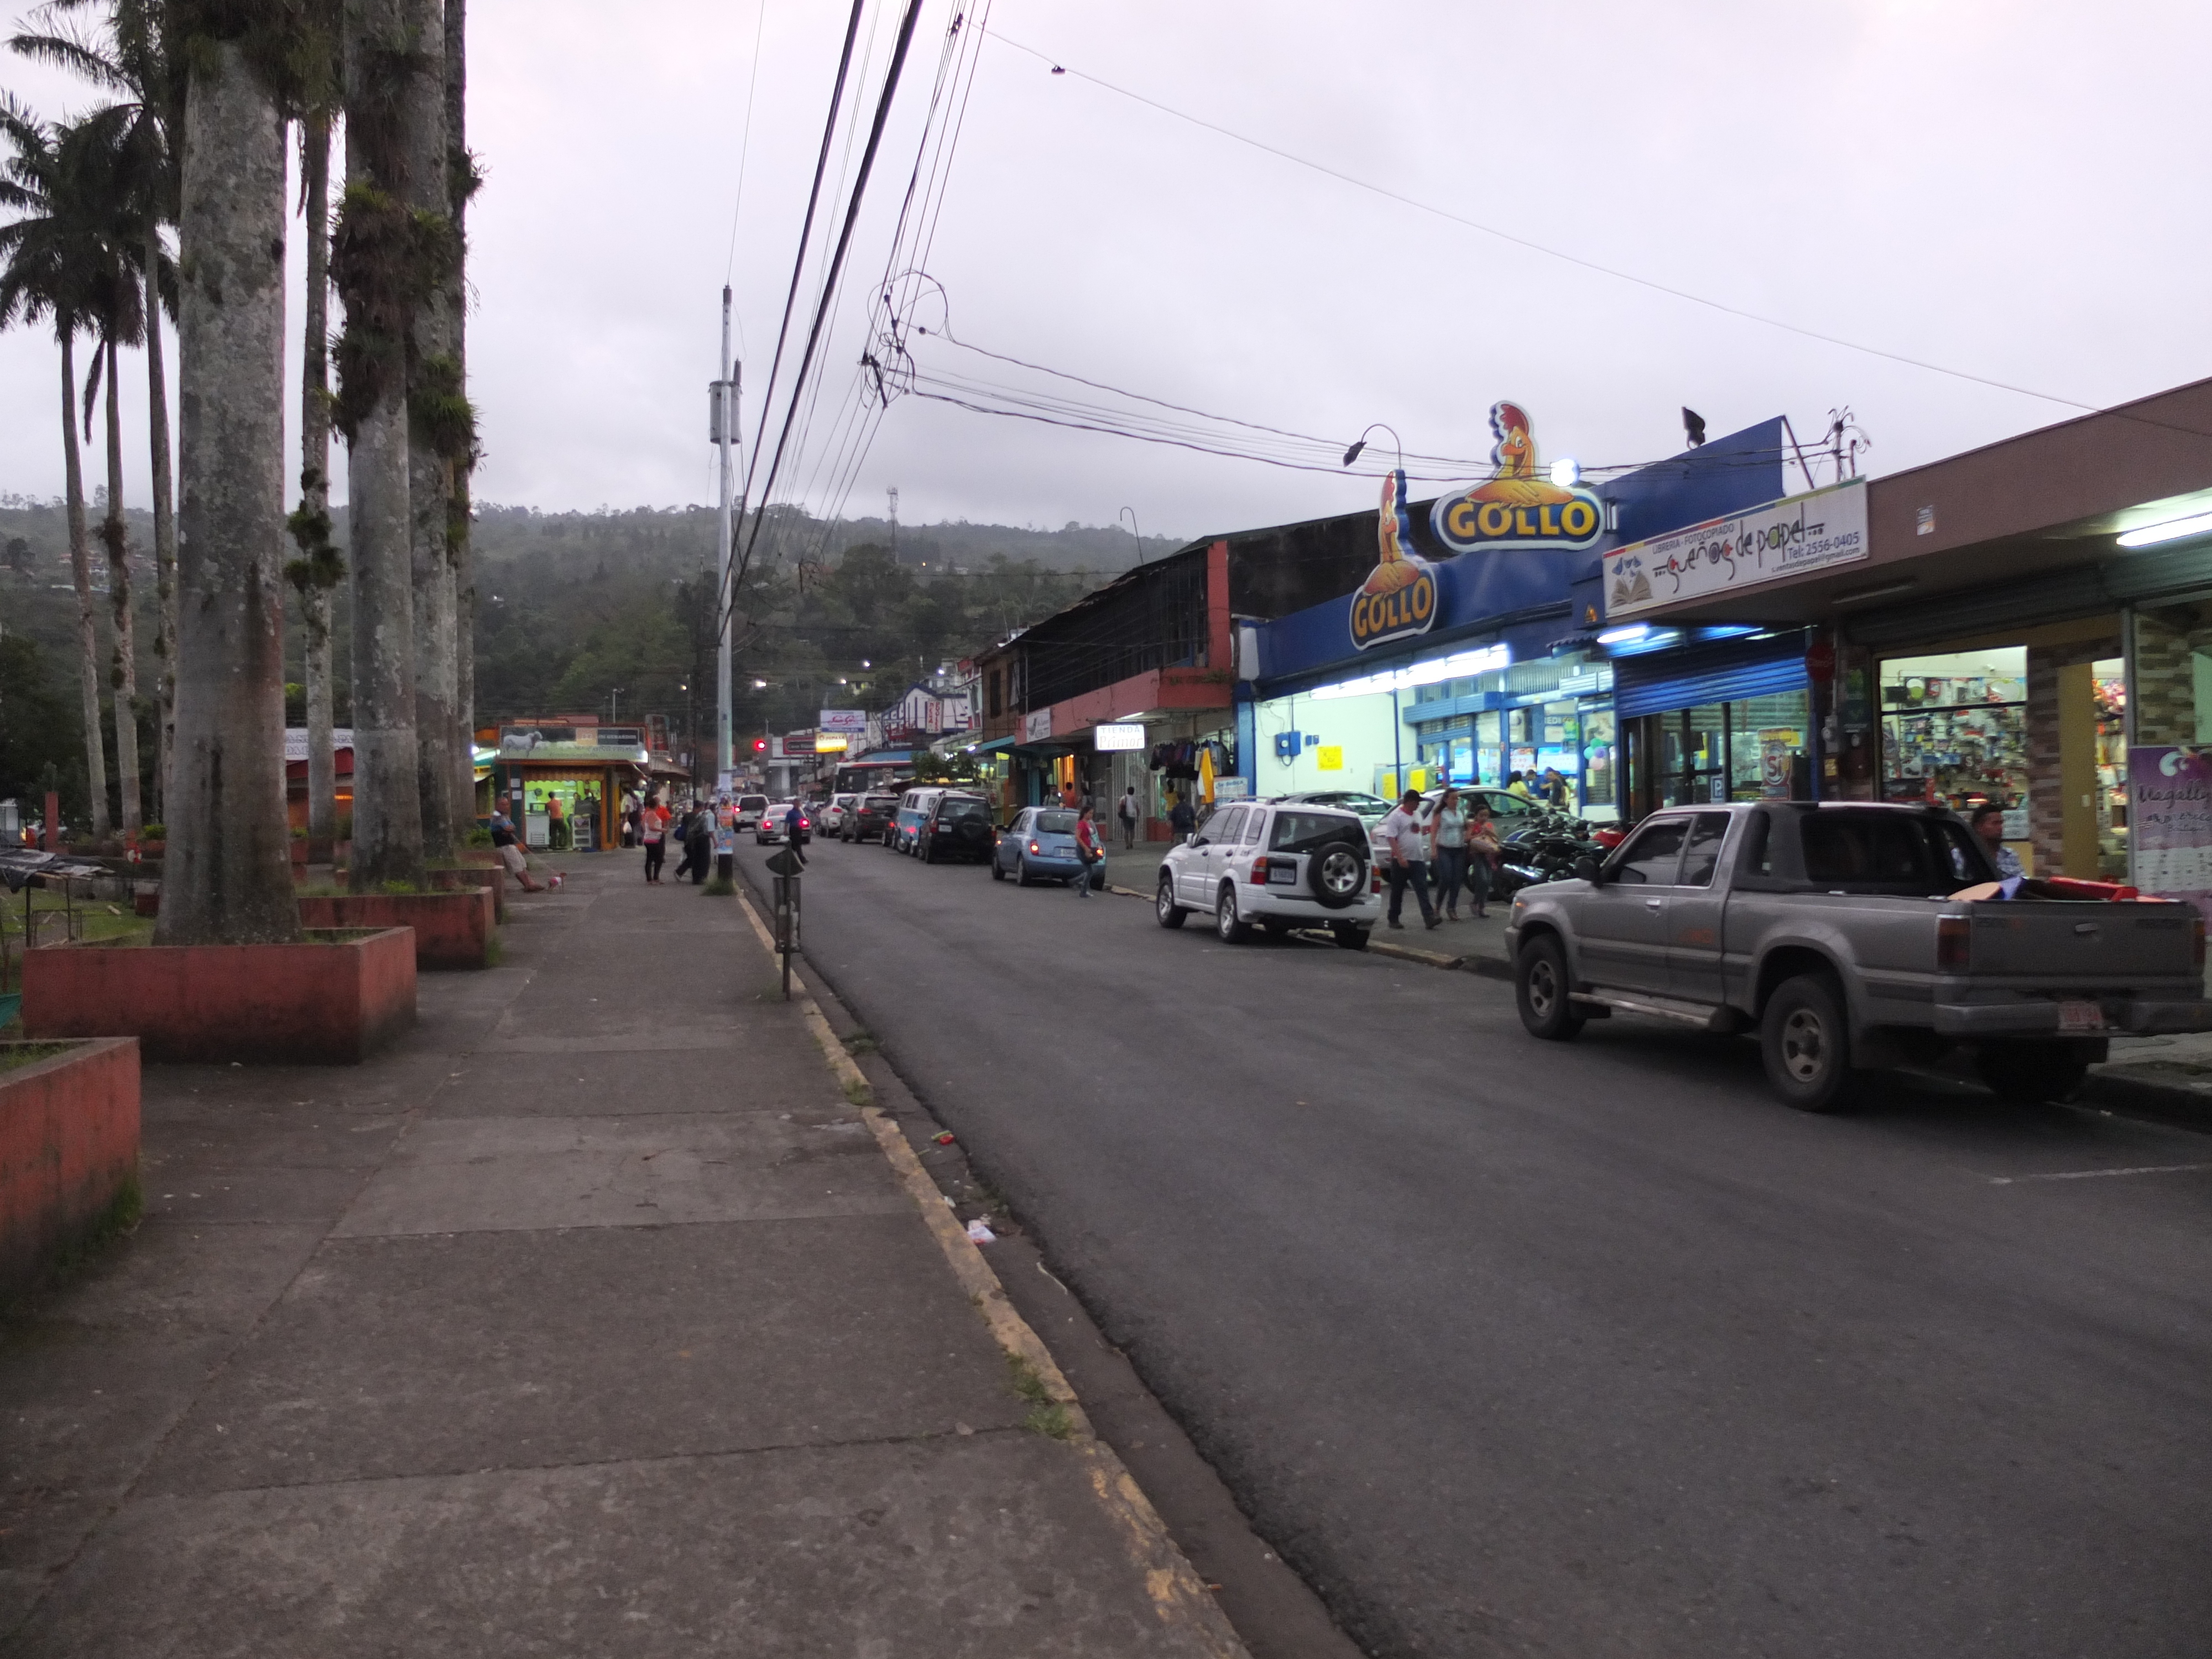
{"x": 1589, "y": 1350}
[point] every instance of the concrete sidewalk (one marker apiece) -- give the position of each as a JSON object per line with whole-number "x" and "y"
{"x": 591, "y": 1319}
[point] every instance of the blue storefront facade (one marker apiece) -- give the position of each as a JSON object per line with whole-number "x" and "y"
{"x": 1498, "y": 659}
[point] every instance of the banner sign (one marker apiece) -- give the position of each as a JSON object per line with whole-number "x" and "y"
{"x": 1721, "y": 556}
{"x": 1119, "y": 735}
{"x": 1517, "y": 506}
{"x": 1037, "y": 726}
{"x": 2170, "y": 821}
{"x": 845, "y": 722}
{"x": 1399, "y": 598}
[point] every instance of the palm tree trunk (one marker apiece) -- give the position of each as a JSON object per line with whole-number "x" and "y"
{"x": 95, "y": 756}
{"x": 165, "y": 521}
{"x": 387, "y": 799}
{"x": 123, "y": 660}
{"x": 429, "y": 470}
{"x": 459, "y": 176}
{"x": 315, "y": 484}
{"x": 228, "y": 876}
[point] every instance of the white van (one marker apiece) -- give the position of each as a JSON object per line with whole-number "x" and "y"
{"x": 913, "y": 809}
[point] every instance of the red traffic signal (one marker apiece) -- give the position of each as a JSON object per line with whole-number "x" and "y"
{"x": 760, "y": 745}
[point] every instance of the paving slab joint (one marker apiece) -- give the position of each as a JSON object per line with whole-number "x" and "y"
{"x": 1179, "y": 1597}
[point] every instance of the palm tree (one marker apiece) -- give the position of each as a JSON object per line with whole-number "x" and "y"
{"x": 390, "y": 249}
{"x": 129, "y": 56}
{"x": 320, "y": 566}
{"x": 229, "y": 877}
{"x": 118, "y": 322}
{"x": 49, "y": 254}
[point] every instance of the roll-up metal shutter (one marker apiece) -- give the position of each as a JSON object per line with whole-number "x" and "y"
{"x": 1726, "y": 671}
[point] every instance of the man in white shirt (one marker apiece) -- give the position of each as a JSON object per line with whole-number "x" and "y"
{"x": 1408, "y": 849}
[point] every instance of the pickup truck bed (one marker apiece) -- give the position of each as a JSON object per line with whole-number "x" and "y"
{"x": 1843, "y": 935}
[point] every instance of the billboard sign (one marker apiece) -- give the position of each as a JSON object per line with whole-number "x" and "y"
{"x": 845, "y": 722}
{"x": 1399, "y": 598}
{"x": 1518, "y": 506}
{"x": 1723, "y": 555}
{"x": 1118, "y": 736}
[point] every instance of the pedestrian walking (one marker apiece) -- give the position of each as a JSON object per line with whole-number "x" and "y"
{"x": 1181, "y": 819}
{"x": 1130, "y": 813}
{"x": 1071, "y": 797}
{"x": 508, "y": 846}
{"x": 699, "y": 845}
{"x": 556, "y": 825}
{"x": 1483, "y": 851}
{"x": 794, "y": 831}
{"x": 1402, "y": 834}
{"x": 652, "y": 831}
{"x": 1086, "y": 849}
{"x": 1448, "y": 852}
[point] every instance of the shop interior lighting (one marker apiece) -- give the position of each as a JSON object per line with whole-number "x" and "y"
{"x": 2172, "y": 530}
{"x": 1623, "y": 635}
{"x": 1566, "y": 473}
{"x": 1462, "y": 665}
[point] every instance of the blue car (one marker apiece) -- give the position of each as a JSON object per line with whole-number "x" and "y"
{"x": 1039, "y": 845}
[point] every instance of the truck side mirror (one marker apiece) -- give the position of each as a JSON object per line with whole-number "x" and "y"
{"x": 1588, "y": 869}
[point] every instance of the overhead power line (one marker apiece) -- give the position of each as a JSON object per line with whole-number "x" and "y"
{"x": 830, "y": 284}
{"x": 1060, "y": 67}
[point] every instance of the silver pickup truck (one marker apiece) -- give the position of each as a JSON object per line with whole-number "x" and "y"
{"x": 1833, "y": 932}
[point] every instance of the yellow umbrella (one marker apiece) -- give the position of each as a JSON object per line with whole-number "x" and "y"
{"x": 1206, "y": 773}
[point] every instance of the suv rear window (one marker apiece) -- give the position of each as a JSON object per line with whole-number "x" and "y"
{"x": 969, "y": 808}
{"x": 1302, "y": 832}
{"x": 752, "y": 803}
{"x": 879, "y": 802}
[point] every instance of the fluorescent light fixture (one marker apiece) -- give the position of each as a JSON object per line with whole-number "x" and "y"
{"x": 1623, "y": 635}
{"x": 1460, "y": 665}
{"x": 2172, "y": 530}
{"x": 1566, "y": 474}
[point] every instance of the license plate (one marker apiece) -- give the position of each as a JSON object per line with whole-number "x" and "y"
{"x": 1282, "y": 875}
{"x": 2080, "y": 1017}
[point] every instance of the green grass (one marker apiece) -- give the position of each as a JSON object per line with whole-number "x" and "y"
{"x": 495, "y": 950}
{"x": 1046, "y": 1416}
{"x": 14, "y": 1055}
{"x": 720, "y": 887}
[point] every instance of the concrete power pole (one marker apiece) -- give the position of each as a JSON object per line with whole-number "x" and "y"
{"x": 723, "y": 423}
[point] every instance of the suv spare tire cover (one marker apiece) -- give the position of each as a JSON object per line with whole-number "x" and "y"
{"x": 1336, "y": 871}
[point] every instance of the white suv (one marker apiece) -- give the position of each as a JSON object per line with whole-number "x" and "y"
{"x": 1278, "y": 865}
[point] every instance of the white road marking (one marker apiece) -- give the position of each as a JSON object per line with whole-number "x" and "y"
{"x": 2092, "y": 1174}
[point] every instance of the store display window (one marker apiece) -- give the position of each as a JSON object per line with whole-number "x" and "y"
{"x": 2108, "y": 683}
{"x": 1954, "y": 726}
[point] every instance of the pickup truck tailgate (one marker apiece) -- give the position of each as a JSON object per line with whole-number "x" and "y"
{"x": 2084, "y": 945}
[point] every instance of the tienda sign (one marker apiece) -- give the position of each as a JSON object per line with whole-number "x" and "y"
{"x": 1517, "y": 506}
{"x": 1399, "y": 598}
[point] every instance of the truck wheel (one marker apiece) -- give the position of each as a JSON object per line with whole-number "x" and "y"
{"x": 1164, "y": 906}
{"x": 1805, "y": 1039}
{"x": 2031, "y": 1074}
{"x": 1540, "y": 990}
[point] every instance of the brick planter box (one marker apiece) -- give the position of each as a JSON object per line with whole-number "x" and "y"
{"x": 332, "y": 852}
{"x": 493, "y": 876}
{"x": 328, "y": 1001}
{"x": 69, "y": 1151}
{"x": 451, "y": 929}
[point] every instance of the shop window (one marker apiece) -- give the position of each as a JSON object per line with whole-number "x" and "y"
{"x": 1767, "y": 752}
{"x": 1598, "y": 761}
{"x": 1954, "y": 728}
{"x": 2108, "y": 685}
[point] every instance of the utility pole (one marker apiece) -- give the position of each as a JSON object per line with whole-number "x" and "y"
{"x": 724, "y": 426}
{"x": 893, "y": 493}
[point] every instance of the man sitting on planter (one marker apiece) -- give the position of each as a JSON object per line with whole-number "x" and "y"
{"x": 509, "y": 847}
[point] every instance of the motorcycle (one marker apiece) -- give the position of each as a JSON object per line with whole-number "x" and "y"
{"x": 1543, "y": 852}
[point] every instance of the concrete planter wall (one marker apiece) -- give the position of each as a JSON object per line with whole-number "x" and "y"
{"x": 493, "y": 876}
{"x": 305, "y": 852}
{"x": 69, "y": 1152}
{"x": 328, "y": 1001}
{"x": 451, "y": 929}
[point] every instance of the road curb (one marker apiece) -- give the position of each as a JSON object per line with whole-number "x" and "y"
{"x": 1179, "y": 1597}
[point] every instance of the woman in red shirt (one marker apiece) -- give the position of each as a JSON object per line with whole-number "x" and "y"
{"x": 652, "y": 830}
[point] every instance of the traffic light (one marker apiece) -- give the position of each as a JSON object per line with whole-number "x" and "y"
{"x": 760, "y": 745}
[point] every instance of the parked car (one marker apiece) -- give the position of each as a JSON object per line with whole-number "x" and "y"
{"x": 958, "y": 827}
{"x": 1278, "y": 865}
{"x": 913, "y": 811}
{"x": 1039, "y": 845}
{"x": 749, "y": 811}
{"x": 770, "y": 828}
{"x": 1853, "y": 937}
{"x": 832, "y": 816}
{"x": 868, "y": 818}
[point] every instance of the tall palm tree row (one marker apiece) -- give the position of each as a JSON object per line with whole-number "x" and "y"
{"x": 49, "y": 254}
{"x": 228, "y": 876}
{"x": 126, "y": 55}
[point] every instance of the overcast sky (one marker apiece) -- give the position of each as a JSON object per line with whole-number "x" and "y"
{"x": 2013, "y": 189}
